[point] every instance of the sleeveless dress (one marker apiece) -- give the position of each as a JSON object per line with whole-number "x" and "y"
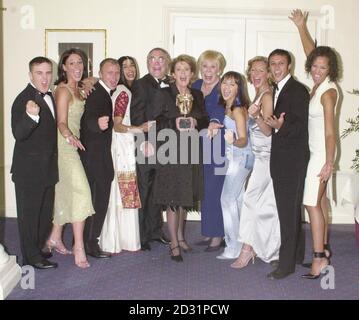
{"x": 240, "y": 164}
{"x": 72, "y": 193}
{"x": 120, "y": 230}
{"x": 316, "y": 142}
{"x": 259, "y": 225}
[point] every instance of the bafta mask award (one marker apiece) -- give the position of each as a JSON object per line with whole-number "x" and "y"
{"x": 184, "y": 103}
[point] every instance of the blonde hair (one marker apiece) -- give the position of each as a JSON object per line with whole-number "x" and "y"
{"x": 212, "y": 55}
{"x": 250, "y": 64}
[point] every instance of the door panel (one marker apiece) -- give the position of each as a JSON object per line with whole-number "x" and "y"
{"x": 193, "y": 35}
{"x": 241, "y": 38}
{"x": 265, "y": 35}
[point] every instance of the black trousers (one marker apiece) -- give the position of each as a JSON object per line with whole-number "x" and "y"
{"x": 35, "y": 206}
{"x": 150, "y": 215}
{"x": 100, "y": 193}
{"x": 289, "y": 197}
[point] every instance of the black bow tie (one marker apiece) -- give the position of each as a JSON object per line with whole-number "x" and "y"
{"x": 275, "y": 87}
{"x": 46, "y": 93}
{"x": 162, "y": 81}
{"x": 112, "y": 91}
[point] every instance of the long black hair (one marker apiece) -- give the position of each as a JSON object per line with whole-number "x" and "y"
{"x": 61, "y": 74}
{"x": 123, "y": 79}
{"x": 242, "y": 99}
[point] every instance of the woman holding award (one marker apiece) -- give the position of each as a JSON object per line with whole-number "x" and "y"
{"x": 179, "y": 181}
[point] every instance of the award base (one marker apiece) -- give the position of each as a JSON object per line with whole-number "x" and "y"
{"x": 184, "y": 123}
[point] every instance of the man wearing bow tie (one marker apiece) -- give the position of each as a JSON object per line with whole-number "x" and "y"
{"x": 34, "y": 167}
{"x": 96, "y": 136}
{"x": 143, "y": 92}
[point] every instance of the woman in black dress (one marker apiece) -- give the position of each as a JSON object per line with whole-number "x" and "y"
{"x": 179, "y": 180}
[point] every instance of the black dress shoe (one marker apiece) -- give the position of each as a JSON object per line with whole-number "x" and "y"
{"x": 46, "y": 254}
{"x": 99, "y": 254}
{"x": 162, "y": 240}
{"x": 278, "y": 274}
{"x": 95, "y": 252}
{"x": 274, "y": 263}
{"x": 44, "y": 264}
{"x": 145, "y": 246}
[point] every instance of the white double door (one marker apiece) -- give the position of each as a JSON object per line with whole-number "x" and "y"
{"x": 240, "y": 37}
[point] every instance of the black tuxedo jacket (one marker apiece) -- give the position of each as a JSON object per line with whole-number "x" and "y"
{"x": 290, "y": 150}
{"x": 35, "y": 152}
{"x": 97, "y": 157}
{"x": 143, "y": 93}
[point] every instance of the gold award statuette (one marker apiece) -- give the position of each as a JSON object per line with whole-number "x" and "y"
{"x": 184, "y": 102}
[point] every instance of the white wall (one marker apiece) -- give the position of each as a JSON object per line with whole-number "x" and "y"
{"x": 136, "y": 26}
{"x": 2, "y": 182}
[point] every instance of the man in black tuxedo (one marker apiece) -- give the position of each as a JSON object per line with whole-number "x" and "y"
{"x": 143, "y": 92}
{"x": 34, "y": 166}
{"x": 289, "y": 159}
{"x": 96, "y": 136}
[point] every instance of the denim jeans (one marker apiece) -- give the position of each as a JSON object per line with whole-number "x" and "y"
{"x": 239, "y": 167}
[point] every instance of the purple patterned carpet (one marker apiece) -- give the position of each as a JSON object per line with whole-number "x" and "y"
{"x": 151, "y": 275}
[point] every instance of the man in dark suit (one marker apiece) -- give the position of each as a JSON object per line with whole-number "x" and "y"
{"x": 143, "y": 92}
{"x": 289, "y": 159}
{"x": 96, "y": 136}
{"x": 34, "y": 166}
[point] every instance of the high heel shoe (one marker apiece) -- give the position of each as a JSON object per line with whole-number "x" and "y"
{"x": 57, "y": 246}
{"x": 244, "y": 258}
{"x": 177, "y": 258}
{"x": 328, "y": 255}
{"x": 318, "y": 255}
{"x": 328, "y": 250}
{"x": 185, "y": 247}
{"x": 80, "y": 258}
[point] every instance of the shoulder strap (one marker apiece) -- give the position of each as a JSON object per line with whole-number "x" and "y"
{"x": 260, "y": 96}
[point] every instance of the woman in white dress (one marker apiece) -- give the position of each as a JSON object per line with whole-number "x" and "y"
{"x": 121, "y": 227}
{"x": 259, "y": 229}
{"x": 322, "y": 64}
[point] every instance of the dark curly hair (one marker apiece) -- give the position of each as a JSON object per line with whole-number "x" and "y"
{"x": 329, "y": 53}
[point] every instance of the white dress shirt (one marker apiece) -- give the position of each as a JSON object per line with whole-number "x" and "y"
{"x": 280, "y": 85}
{"x": 48, "y": 100}
{"x": 105, "y": 87}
